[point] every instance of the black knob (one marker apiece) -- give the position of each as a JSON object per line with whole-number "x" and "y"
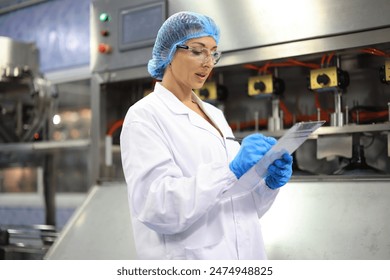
{"x": 259, "y": 86}
{"x": 323, "y": 79}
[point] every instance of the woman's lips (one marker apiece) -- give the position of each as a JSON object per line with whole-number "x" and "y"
{"x": 201, "y": 75}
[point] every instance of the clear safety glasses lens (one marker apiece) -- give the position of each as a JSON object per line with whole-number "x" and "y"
{"x": 202, "y": 53}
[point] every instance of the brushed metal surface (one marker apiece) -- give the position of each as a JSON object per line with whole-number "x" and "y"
{"x": 253, "y": 23}
{"x": 334, "y": 145}
{"x": 332, "y": 220}
{"x": 99, "y": 230}
{"x": 329, "y": 221}
{"x": 305, "y": 47}
{"x": 14, "y": 54}
{"x": 259, "y": 30}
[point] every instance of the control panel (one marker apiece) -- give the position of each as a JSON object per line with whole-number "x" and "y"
{"x": 325, "y": 78}
{"x": 265, "y": 85}
{"x": 123, "y": 32}
{"x": 385, "y": 72}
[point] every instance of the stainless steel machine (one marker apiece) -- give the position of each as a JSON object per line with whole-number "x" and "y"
{"x": 25, "y": 100}
{"x": 25, "y": 103}
{"x": 34, "y": 150}
{"x": 285, "y": 62}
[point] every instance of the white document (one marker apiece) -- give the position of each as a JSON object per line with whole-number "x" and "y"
{"x": 288, "y": 143}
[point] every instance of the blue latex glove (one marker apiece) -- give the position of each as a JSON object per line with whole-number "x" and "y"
{"x": 279, "y": 172}
{"x": 253, "y": 148}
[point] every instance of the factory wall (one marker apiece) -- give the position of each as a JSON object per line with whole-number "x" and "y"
{"x": 60, "y": 28}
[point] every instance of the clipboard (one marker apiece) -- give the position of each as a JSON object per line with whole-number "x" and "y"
{"x": 288, "y": 143}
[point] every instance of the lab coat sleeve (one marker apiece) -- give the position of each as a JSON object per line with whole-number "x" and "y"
{"x": 159, "y": 195}
{"x": 264, "y": 197}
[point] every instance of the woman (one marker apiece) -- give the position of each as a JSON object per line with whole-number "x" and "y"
{"x": 179, "y": 166}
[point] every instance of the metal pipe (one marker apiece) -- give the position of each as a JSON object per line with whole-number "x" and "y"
{"x": 257, "y": 121}
{"x": 388, "y": 105}
{"x": 338, "y": 63}
{"x": 274, "y": 120}
{"x": 45, "y": 145}
{"x": 357, "y": 117}
{"x": 108, "y": 150}
{"x": 281, "y": 114}
{"x": 337, "y": 116}
{"x": 49, "y": 191}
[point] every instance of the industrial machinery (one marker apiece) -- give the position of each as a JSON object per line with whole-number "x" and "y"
{"x": 23, "y": 115}
{"x": 25, "y": 103}
{"x": 279, "y": 69}
{"x": 33, "y": 148}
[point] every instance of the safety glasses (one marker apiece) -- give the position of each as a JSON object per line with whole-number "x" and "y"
{"x": 202, "y": 53}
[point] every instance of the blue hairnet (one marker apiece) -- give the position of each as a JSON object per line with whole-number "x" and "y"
{"x": 176, "y": 30}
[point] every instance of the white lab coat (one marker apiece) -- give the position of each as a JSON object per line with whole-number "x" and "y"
{"x": 176, "y": 166}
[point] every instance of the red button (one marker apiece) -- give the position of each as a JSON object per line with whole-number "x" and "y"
{"x": 104, "y": 48}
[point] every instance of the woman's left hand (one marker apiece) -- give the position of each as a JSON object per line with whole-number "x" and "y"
{"x": 279, "y": 172}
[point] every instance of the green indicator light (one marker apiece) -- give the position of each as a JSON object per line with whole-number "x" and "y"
{"x": 104, "y": 17}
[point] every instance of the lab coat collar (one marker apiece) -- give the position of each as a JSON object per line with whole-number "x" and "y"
{"x": 177, "y": 107}
{"x": 170, "y": 100}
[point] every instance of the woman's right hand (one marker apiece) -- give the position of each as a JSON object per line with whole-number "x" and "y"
{"x": 253, "y": 148}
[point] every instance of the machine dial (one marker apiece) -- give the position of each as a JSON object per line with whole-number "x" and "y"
{"x": 323, "y": 79}
{"x": 260, "y": 86}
